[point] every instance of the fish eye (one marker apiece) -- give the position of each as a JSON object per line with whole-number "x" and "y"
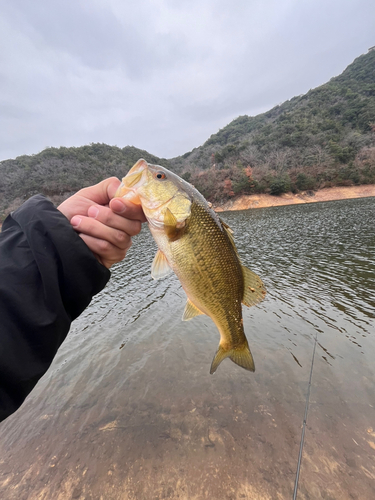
{"x": 160, "y": 175}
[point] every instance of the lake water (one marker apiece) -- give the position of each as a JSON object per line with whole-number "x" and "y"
{"x": 128, "y": 410}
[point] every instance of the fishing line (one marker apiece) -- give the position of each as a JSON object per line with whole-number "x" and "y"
{"x": 304, "y": 423}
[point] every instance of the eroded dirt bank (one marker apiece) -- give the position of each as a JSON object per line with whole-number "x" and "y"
{"x": 328, "y": 194}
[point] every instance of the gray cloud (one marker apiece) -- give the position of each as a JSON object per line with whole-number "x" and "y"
{"x": 162, "y": 75}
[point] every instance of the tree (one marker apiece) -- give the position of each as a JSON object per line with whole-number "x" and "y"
{"x": 228, "y": 187}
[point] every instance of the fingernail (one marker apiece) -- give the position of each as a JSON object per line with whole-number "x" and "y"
{"x": 118, "y": 206}
{"x": 75, "y": 221}
{"x": 93, "y": 212}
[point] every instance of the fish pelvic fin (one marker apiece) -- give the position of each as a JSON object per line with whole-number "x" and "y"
{"x": 240, "y": 355}
{"x": 160, "y": 266}
{"x": 254, "y": 289}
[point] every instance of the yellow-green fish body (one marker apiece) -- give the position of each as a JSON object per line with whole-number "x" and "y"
{"x": 199, "y": 248}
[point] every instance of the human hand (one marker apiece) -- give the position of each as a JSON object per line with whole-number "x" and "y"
{"x": 106, "y": 225}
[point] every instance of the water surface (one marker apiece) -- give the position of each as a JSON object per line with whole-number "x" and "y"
{"x": 128, "y": 410}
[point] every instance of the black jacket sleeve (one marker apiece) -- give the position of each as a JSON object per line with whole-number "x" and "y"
{"x": 48, "y": 276}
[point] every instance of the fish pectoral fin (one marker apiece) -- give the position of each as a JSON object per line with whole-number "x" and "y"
{"x": 169, "y": 218}
{"x": 160, "y": 267}
{"x": 190, "y": 311}
{"x": 254, "y": 289}
{"x": 172, "y": 227}
{"x": 240, "y": 355}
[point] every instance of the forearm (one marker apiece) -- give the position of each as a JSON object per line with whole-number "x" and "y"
{"x": 48, "y": 276}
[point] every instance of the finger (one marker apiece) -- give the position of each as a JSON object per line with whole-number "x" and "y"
{"x": 106, "y": 253}
{"x": 106, "y": 216}
{"x": 112, "y": 185}
{"x": 97, "y": 229}
{"x": 127, "y": 209}
{"x": 102, "y": 192}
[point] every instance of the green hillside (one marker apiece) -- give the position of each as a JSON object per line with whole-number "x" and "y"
{"x": 323, "y": 138}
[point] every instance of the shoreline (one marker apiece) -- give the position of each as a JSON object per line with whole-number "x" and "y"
{"x": 336, "y": 193}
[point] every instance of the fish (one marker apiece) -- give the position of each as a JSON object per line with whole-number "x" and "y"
{"x": 195, "y": 244}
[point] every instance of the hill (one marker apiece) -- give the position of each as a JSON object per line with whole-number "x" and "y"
{"x": 59, "y": 172}
{"x": 321, "y": 139}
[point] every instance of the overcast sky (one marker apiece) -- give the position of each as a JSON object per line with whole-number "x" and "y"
{"x": 162, "y": 75}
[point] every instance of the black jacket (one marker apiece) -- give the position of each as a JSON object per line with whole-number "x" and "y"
{"x": 48, "y": 276}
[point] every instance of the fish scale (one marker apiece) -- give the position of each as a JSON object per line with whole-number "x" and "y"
{"x": 209, "y": 270}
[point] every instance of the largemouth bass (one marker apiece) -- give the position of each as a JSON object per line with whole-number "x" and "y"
{"x": 199, "y": 247}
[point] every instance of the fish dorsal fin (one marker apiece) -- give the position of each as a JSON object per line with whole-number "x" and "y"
{"x": 190, "y": 311}
{"x": 229, "y": 232}
{"x": 254, "y": 289}
{"x": 160, "y": 267}
{"x": 225, "y": 225}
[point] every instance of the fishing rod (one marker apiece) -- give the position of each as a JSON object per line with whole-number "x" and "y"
{"x": 304, "y": 422}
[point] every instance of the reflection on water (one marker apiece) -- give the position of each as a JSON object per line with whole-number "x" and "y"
{"x": 128, "y": 409}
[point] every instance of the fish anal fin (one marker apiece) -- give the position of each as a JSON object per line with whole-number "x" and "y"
{"x": 254, "y": 289}
{"x": 160, "y": 267}
{"x": 190, "y": 311}
{"x": 240, "y": 355}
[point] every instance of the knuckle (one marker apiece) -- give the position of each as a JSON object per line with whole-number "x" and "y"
{"x": 105, "y": 216}
{"x": 105, "y": 246}
{"x": 121, "y": 237}
{"x": 138, "y": 226}
{"x": 135, "y": 227}
{"x": 121, "y": 256}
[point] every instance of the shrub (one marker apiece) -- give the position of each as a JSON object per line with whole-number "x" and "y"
{"x": 280, "y": 185}
{"x": 304, "y": 182}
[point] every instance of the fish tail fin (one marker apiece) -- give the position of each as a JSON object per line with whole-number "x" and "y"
{"x": 240, "y": 355}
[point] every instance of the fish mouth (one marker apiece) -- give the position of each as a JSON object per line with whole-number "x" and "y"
{"x": 129, "y": 192}
{"x": 123, "y": 191}
{"x": 131, "y": 182}
{"x": 132, "y": 179}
